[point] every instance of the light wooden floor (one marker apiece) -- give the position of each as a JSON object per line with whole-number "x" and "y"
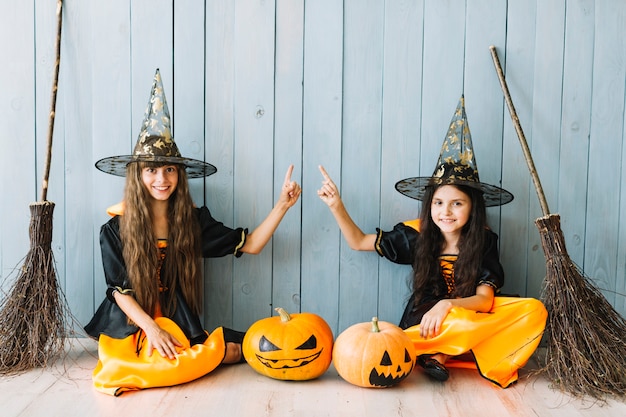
{"x": 236, "y": 390}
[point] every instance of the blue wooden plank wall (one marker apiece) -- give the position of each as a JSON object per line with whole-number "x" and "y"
{"x": 365, "y": 87}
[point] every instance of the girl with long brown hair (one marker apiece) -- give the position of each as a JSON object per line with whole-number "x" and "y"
{"x": 453, "y": 309}
{"x": 148, "y": 326}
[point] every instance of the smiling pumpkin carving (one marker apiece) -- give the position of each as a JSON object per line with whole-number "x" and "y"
{"x": 289, "y": 347}
{"x": 376, "y": 354}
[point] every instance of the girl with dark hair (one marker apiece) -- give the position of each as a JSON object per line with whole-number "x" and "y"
{"x": 453, "y": 309}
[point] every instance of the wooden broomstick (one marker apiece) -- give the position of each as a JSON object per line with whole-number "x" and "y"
{"x": 585, "y": 336}
{"x": 33, "y": 315}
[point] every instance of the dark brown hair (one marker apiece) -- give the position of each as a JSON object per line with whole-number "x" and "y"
{"x": 426, "y": 266}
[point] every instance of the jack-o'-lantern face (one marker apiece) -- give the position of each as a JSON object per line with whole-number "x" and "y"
{"x": 289, "y": 347}
{"x": 390, "y": 370}
{"x": 275, "y": 357}
{"x": 376, "y": 354}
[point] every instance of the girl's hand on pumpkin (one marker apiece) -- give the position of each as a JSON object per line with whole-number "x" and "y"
{"x": 290, "y": 192}
{"x": 430, "y": 326}
{"x": 162, "y": 341}
{"x": 329, "y": 193}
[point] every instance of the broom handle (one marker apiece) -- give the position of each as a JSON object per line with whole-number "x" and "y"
{"x": 520, "y": 133}
{"x": 55, "y": 86}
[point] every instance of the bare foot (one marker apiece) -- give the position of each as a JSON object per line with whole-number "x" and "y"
{"x": 233, "y": 353}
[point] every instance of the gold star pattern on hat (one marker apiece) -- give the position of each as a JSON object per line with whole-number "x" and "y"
{"x": 456, "y": 165}
{"x": 155, "y": 142}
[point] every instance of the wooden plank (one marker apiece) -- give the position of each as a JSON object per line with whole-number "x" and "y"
{"x": 17, "y": 106}
{"x": 188, "y": 94}
{"x": 286, "y": 244}
{"x": 607, "y": 129}
{"x": 111, "y": 126}
{"x": 151, "y": 43}
{"x": 546, "y": 121}
{"x": 519, "y": 234}
{"x": 53, "y": 391}
{"x": 219, "y": 150}
{"x": 322, "y": 113}
{"x": 483, "y": 96}
{"x": 401, "y": 141}
{"x": 575, "y": 125}
{"x": 187, "y": 105}
{"x": 78, "y": 220}
{"x": 254, "y": 167}
{"x": 620, "y": 273}
{"x": 360, "y": 163}
{"x": 45, "y": 56}
{"x": 442, "y": 78}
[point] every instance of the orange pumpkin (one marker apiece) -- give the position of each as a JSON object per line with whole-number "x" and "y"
{"x": 376, "y": 354}
{"x": 290, "y": 347}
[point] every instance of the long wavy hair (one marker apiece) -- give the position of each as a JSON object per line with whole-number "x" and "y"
{"x": 182, "y": 268}
{"x": 426, "y": 266}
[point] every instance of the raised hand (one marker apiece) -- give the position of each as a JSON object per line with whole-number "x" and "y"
{"x": 329, "y": 193}
{"x": 290, "y": 192}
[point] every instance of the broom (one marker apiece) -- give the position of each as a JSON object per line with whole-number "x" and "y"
{"x": 586, "y": 336}
{"x": 33, "y": 314}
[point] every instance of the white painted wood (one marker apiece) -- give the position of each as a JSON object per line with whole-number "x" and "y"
{"x": 17, "y": 162}
{"x": 66, "y": 389}
{"x": 483, "y": 96}
{"x": 607, "y": 129}
{"x": 78, "y": 226}
{"x": 254, "y": 115}
{"x": 400, "y": 141}
{"x": 112, "y": 123}
{"x": 219, "y": 85}
{"x": 519, "y": 234}
{"x": 360, "y": 154}
{"x": 321, "y": 133}
{"x": 547, "y": 90}
{"x": 289, "y": 76}
{"x": 575, "y": 125}
{"x": 188, "y": 95}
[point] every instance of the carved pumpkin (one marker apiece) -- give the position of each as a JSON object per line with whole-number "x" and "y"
{"x": 290, "y": 347}
{"x": 376, "y": 354}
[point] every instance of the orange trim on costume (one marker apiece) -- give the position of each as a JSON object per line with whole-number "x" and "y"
{"x": 116, "y": 209}
{"x": 415, "y": 224}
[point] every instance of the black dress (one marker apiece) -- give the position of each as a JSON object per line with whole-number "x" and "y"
{"x": 399, "y": 246}
{"x": 216, "y": 240}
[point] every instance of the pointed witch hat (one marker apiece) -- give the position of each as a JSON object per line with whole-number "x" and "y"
{"x": 456, "y": 165}
{"x": 155, "y": 142}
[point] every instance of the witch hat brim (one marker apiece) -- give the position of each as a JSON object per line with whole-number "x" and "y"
{"x": 415, "y": 187}
{"x": 116, "y": 165}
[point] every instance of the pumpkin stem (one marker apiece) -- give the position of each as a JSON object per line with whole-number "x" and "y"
{"x": 284, "y": 316}
{"x": 375, "y": 328}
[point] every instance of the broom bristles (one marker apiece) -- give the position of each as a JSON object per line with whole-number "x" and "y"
{"x": 33, "y": 315}
{"x": 586, "y": 336}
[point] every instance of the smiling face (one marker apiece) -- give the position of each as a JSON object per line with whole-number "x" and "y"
{"x": 450, "y": 210}
{"x": 161, "y": 182}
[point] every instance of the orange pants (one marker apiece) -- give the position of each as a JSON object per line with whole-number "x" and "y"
{"x": 120, "y": 368}
{"x": 501, "y": 341}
